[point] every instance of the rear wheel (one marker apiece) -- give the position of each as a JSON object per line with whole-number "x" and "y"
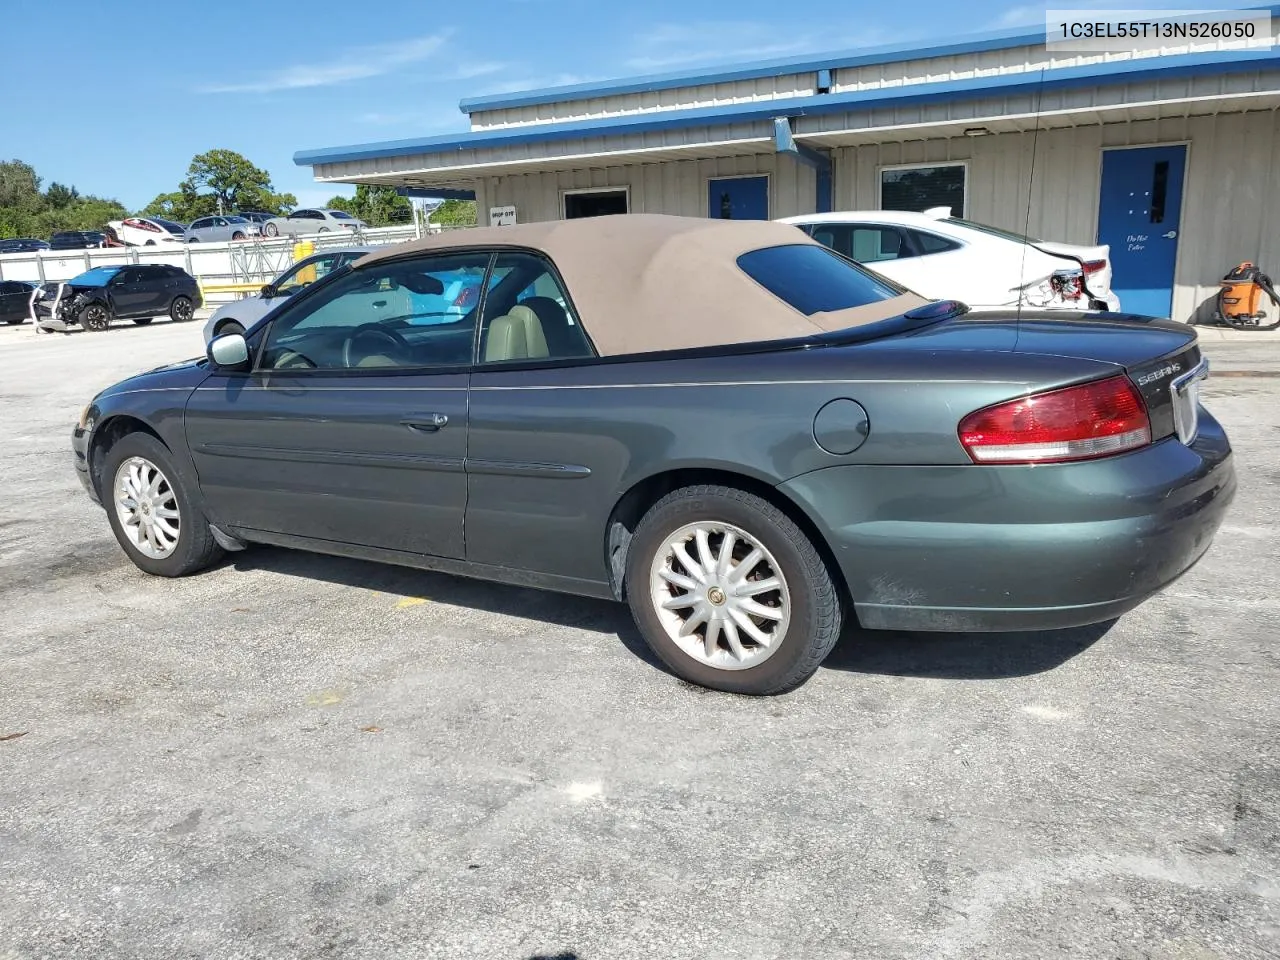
{"x": 14, "y": 322}
{"x": 142, "y": 321}
{"x": 181, "y": 310}
{"x": 730, "y": 593}
{"x": 237, "y": 235}
{"x": 271, "y": 230}
{"x": 154, "y": 516}
{"x": 94, "y": 317}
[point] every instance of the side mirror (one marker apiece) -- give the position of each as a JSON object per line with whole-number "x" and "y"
{"x": 268, "y": 291}
{"x": 229, "y": 352}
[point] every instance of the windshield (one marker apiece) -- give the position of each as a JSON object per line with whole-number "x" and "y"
{"x": 97, "y": 277}
{"x": 171, "y": 226}
{"x": 994, "y": 231}
{"x": 236, "y": 220}
{"x": 340, "y": 215}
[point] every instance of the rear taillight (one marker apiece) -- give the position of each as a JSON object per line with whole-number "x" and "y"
{"x": 1094, "y": 266}
{"x": 1075, "y": 423}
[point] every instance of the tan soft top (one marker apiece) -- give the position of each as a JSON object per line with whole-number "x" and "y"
{"x": 646, "y": 282}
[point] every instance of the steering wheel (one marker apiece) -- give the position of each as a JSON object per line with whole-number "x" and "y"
{"x": 372, "y": 331}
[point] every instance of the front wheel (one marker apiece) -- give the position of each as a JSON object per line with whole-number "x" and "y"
{"x": 181, "y": 310}
{"x": 95, "y": 317}
{"x": 271, "y": 230}
{"x": 237, "y": 235}
{"x": 730, "y": 593}
{"x": 152, "y": 513}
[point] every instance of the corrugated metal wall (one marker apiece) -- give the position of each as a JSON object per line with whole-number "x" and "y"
{"x": 1048, "y": 185}
{"x": 678, "y": 187}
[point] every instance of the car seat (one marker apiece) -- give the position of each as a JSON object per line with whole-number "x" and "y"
{"x": 516, "y": 336}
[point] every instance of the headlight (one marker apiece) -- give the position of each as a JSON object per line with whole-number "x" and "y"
{"x": 86, "y": 421}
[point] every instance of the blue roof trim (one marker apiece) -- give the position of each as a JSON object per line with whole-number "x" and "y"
{"x": 865, "y": 56}
{"x": 1118, "y": 71}
{"x": 888, "y": 53}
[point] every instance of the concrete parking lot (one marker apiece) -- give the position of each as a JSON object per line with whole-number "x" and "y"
{"x": 297, "y": 756}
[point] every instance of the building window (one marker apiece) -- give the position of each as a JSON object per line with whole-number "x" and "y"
{"x": 920, "y": 188}
{"x": 594, "y": 203}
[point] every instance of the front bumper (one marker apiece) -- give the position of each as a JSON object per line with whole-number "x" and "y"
{"x": 1020, "y": 547}
{"x": 80, "y": 438}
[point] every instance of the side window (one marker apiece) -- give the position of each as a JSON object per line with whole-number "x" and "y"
{"x": 837, "y": 236}
{"x": 872, "y": 244}
{"x": 528, "y": 316}
{"x": 384, "y": 316}
{"x": 127, "y": 275}
{"x": 307, "y": 273}
{"x": 928, "y": 243}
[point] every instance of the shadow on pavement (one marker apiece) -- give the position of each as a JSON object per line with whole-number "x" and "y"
{"x": 961, "y": 656}
{"x": 964, "y": 656}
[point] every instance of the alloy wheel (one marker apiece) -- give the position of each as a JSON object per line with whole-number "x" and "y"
{"x": 147, "y": 507}
{"x": 720, "y": 595}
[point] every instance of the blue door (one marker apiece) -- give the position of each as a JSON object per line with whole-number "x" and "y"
{"x": 738, "y": 198}
{"x": 1138, "y": 216}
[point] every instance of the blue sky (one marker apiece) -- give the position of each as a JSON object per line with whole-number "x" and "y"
{"x": 117, "y": 97}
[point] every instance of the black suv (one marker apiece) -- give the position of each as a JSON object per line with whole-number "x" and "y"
{"x": 77, "y": 240}
{"x": 137, "y": 292}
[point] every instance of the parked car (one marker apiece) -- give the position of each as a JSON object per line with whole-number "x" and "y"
{"x": 148, "y": 231}
{"x": 255, "y": 216}
{"x": 239, "y": 315}
{"x": 941, "y": 256}
{"x": 138, "y": 292}
{"x": 15, "y": 300}
{"x": 213, "y": 229}
{"x": 23, "y": 245}
{"x": 727, "y": 425}
{"x": 312, "y": 221}
{"x": 78, "y": 240}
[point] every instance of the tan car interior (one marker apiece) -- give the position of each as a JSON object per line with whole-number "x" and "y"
{"x": 517, "y": 335}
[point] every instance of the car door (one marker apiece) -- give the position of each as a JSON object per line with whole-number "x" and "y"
{"x": 13, "y": 301}
{"x": 529, "y": 461}
{"x": 351, "y": 428}
{"x": 129, "y": 293}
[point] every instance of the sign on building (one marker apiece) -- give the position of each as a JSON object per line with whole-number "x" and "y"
{"x": 502, "y": 216}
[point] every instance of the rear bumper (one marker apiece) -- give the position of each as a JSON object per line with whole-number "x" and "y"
{"x": 1020, "y": 548}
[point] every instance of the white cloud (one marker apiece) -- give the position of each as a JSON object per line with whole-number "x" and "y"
{"x": 357, "y": 63}
{"x": 534, "y": 83}
{"x": 469, "y": 71}
{"x": 668, "y": 45}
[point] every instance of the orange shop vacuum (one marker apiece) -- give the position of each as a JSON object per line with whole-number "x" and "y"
{"x": 1242, "y": 301}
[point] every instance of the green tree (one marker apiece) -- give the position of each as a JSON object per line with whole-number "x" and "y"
{"x": 230, "y": 179}
{"x": 26, "y": 212}
{"x": 454, "y": 213}
{"x": 59, "y": 196}
{"x": 377, "y": 206}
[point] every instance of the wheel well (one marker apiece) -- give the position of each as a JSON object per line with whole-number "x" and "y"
{"x": 107, "y": 436}
{"x": 637, "y": 501}
{"x": 224, "y": 323}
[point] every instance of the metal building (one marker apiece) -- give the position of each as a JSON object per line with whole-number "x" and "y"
{"x": 1169, "y": 156}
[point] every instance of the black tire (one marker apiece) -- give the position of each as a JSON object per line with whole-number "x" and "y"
{"x": 142, "y": 321}
{"x": 193, "y": 239}
{"x": 270, "y": 230}
{"x": 229, "y": 326}
{"x": 323, "y": 230}
{"x": 94, "y": 317}
{"x": 181, "y": 309}
{"x": 195, "y": 548}
{"x": 149, "y": 243}
{"x": 14, "y": 323}
{"x": 238, "y": 235}
{"x": 817, "y": 609}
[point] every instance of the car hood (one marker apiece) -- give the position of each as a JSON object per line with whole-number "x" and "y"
{"x": 1122, "y": 339}
{"x": 171, "y": 376}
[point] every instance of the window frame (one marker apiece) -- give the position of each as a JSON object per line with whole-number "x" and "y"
{"x": 478, "y": 362}
{"x": 882, "y": 169}
{"x": 264, "y": 334}
{"x": 625, "y": 189}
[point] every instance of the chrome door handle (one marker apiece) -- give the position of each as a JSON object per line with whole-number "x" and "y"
{"x": 1170, "y": 235}
{"x": 428, "y": 423}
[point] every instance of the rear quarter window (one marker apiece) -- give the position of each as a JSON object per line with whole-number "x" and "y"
{"x": 813, "y": 279}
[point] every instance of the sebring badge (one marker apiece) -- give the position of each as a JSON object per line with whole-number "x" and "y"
{"x": 1160, "y": 374}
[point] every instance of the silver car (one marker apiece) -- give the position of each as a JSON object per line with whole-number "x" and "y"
{"x": 214, "y": 229}
{"x": 239, "y": 315}
{"x": 312, "y": 220}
